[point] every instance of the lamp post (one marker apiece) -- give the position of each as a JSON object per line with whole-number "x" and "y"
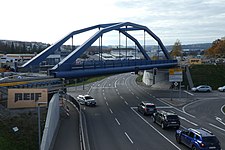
{"x": 39, "y": 122}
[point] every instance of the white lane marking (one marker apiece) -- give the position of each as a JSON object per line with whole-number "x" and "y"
{"x": 220, "y": 120}
{"x": 104, "y": 97}
{"x": 117, "y": 81}
{"x": 132, "y": 93}
{"x": 103, "y": 87}
{"x": 157, "y": 107}
{"x": 137, "y": 97}
{"x": 117, "y": 121}
{"x": 109, "y": 85}
{"x": 176, "y": 108}
{"x": 129, "y": 90}
{"x": 216, "y": 127}
{"x": 221, "y": 109}
{"x": 155, "y": 129}
{"x": 107, "y": 103}
{"x": 188, "y": 121}
{"x": 160, "y": 107}
{"x": 116, "y": 90}
{"x": 110, "y": 110}
{"x": 103, "y": 90}
{"x": 188, "y": 93}
{"x": 98, "y": 84}
{"x": 84, "y": 108}
{"x": 121, "y": 97}
{"x": 183, "y": 108}
{"x": 103, "y": 93}
{"x": 126, "y": 102}
{"x": 128, "y": 137}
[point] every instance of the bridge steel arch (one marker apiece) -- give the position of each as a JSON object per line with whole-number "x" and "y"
{"x": 66, "y": 63}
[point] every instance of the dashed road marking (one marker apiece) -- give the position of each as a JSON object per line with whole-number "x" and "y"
{"x": 216, "y": 127}
{"x": 128, "y": 137}
{"x": 188, "y": 121}
{"x": 188, "y": 93}
{"x": 110, "y": 110}
{"x": 117, "y": 121}
{"x": 155, "y": 129}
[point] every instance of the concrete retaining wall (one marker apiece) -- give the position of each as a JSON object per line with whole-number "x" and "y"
{"x": 161, "y": 77}
{"x": 51, "y": 123}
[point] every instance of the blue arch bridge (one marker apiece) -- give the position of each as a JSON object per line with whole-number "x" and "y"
{"x": 69, "y": 68}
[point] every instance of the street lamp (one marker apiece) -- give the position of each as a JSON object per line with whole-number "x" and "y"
{"x": 39, "y": 122}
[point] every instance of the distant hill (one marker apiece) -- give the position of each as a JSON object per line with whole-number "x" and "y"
{"x": 10, "y": 46}
{"x": 192, "y": 47}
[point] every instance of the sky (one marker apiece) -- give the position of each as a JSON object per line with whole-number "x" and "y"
{"x": 189, "y": 21}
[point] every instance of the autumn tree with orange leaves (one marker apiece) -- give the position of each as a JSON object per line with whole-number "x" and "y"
{"x": 217, "y": 50}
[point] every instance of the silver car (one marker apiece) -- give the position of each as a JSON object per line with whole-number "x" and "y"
{"x": 221, "y": 89}
{"x": 202, "y": 88}
{"x": 86, "y": 100}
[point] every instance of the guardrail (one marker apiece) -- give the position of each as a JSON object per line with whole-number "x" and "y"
{"x": 117, "y": 63}
{"x": 84, "y": 143}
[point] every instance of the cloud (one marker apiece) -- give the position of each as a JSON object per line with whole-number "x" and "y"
{"x": 182, "y": 19}
{"x": 189, "y": 21}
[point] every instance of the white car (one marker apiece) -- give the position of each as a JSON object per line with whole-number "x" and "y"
{"x": 202, "y": 88}
{"x": 86, "y": 100}
{"x": 221, "y": 89}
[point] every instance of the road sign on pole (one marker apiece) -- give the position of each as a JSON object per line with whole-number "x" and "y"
{"x": 175, "y": 75}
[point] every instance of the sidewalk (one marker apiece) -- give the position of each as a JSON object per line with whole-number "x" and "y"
{"x": 68, "y": 136}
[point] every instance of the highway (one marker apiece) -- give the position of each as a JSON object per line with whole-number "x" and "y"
{"x": 115, "y": 122}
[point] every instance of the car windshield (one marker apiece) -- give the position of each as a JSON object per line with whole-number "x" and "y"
{"x": 88, "y": 97}
{"x": 212, "y": 139}
{"x": 150, "y": 106}
{"x": 172, "y": 117}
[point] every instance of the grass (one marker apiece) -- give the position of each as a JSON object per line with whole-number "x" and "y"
{"x": 87, "y": 80}
{"x": 139, "y": 78}
{"x": 26, "y": 138}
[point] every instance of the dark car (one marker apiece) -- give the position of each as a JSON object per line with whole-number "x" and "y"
{"x": 147, "y": 108}
{"x": 166, "y": 119}
{"x": 198, "y": 139}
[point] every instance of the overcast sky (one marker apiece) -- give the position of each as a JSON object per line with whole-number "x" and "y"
{"x": 190, "y": 21}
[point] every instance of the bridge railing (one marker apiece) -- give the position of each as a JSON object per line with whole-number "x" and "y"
{"x": 93, "y": 64}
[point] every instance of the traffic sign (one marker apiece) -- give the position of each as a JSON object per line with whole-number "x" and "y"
{"x": 175, "y": 75}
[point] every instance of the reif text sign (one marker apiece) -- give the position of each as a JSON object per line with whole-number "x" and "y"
{"x": 26, "y": 98}
{"x": 175, "y": 75}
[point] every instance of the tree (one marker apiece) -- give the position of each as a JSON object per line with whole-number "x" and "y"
{"x": 217, "y": 50}
{"x": 177, "y": 49}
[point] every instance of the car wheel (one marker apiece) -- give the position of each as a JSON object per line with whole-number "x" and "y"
{"x": 178, "y": 139}
{"x": 153, "y": 118}
{"x": 162, "y": 126}
{"x": 223, "y": 90}
{"x": 194, "y": 148}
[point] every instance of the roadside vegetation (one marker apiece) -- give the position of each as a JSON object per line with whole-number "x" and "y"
{"x": 83, "y": 81}
{"x": 26, "y": 138}
{"x": 213, "y": 75}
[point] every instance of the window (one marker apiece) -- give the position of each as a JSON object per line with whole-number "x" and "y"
{"x": 197, "y": 137}
{"x": 191, "y": 134}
